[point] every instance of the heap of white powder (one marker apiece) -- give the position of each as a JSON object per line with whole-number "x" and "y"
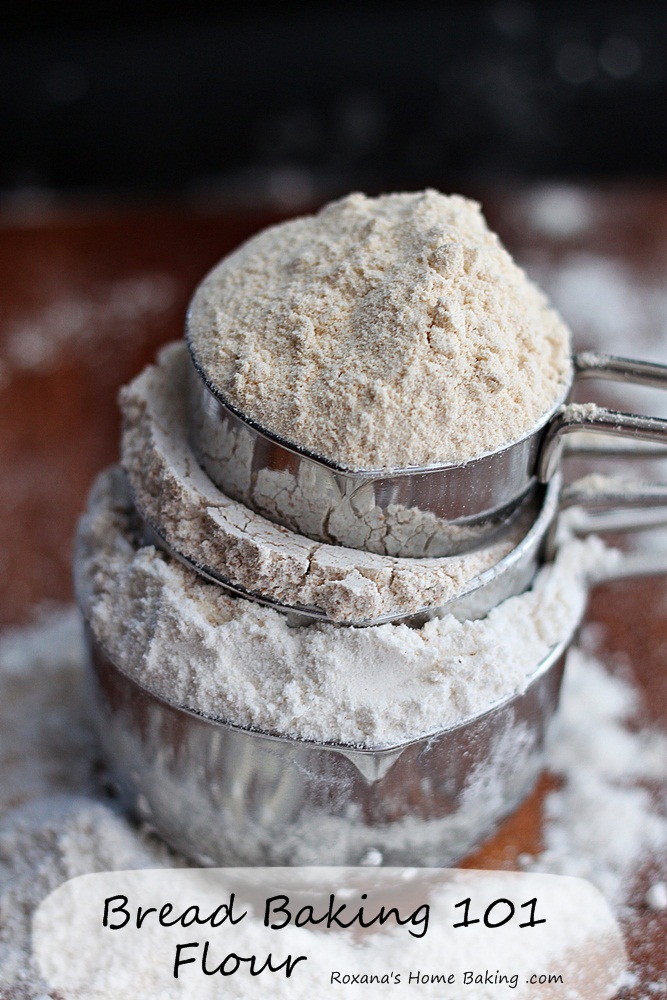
{"x": 192, "y": 643}
{"x": 382, "y": 332}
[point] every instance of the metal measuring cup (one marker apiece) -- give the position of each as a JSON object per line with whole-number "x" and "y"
{"x": 433, "y": 511}
{"x": 223, "y": 794}
{"x": 603, "y": 504}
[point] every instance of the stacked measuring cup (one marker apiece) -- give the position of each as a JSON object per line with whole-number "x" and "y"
{"x": 433, "y": 511}
{"x": 332, "y": 546}
{"x": 224, "y": 794}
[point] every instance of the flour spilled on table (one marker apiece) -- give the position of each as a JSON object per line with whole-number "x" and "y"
{"x": 81, "y": 323}
{"x": 56, "y": 823}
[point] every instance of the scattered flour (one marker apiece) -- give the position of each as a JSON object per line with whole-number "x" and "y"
{"x": 613, "y": 308}
{"x": 559, "y": 211}
{"x": 250, "y": 551}
{"x": 53, "y": 822}
{"x": 397, "y": 330}
{"x": 189, "y": 641}
{"x": 60, "y": 826}
{"x": 656, "y": 896}
{"x": 606, "y": 768}
{"x": 36, "y": 341}
{"x": 583, "y": 412}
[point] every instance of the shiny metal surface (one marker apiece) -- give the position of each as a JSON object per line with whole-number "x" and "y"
{"x": 414, "y": 512}
{"x": 423, "y": 511}
{"x": 224, "y": 795}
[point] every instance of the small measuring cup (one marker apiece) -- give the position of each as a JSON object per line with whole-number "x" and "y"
{"x": 433, "y": 511}
{"x": 603, "y": 504}
{"x": 225, "y": 795}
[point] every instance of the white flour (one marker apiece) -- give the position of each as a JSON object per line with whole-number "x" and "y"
{"x": 116, "y": 310}
{"x": 606, "y": 769}
{"x": 619, "y": 309}
{"x": 382, "y": 333}
{"x": 248, "y": 550}
{"x": 558, "y": 211}
{"x": 656, "y": 896}
{"x": 55, "y": 826}
{"x": 186, "y": 639}
{"x": 615, "y": 308}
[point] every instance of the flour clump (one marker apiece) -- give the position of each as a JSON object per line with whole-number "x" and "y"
{"x": 382, "y": 333}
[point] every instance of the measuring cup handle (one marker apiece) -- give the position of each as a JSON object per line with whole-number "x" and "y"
{"x": 577, "y": 417}
{"x": 631, "y": 565}
{"x": 607, "y": 503}
{"x": 594, "y": 364}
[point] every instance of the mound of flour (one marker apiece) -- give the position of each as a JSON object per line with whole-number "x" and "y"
{"x": 190, "y": 642}
{"x": 382, "y": 332}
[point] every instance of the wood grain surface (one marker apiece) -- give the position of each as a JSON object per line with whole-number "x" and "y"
{"x": 90, "y": 292}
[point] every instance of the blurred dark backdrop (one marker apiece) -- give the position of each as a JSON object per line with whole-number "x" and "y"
{"x": 150, "y": 96}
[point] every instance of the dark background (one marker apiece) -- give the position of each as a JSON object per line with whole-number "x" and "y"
{"x": 147, "y": 97}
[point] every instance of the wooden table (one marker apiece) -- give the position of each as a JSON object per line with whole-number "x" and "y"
{"x": 91, "y": 292}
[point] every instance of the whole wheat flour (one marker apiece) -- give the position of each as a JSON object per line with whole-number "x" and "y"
{"x": 211, "y": 530}
{"x": 56, "y": 824}
{"x": 382, "y": 333}
{"x": 189, "y": 641}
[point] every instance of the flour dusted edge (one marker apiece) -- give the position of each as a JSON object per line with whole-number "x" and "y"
{"x": 382, "y": 333}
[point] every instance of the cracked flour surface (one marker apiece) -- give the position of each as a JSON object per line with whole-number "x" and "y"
{"x": 206, "y": 526}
